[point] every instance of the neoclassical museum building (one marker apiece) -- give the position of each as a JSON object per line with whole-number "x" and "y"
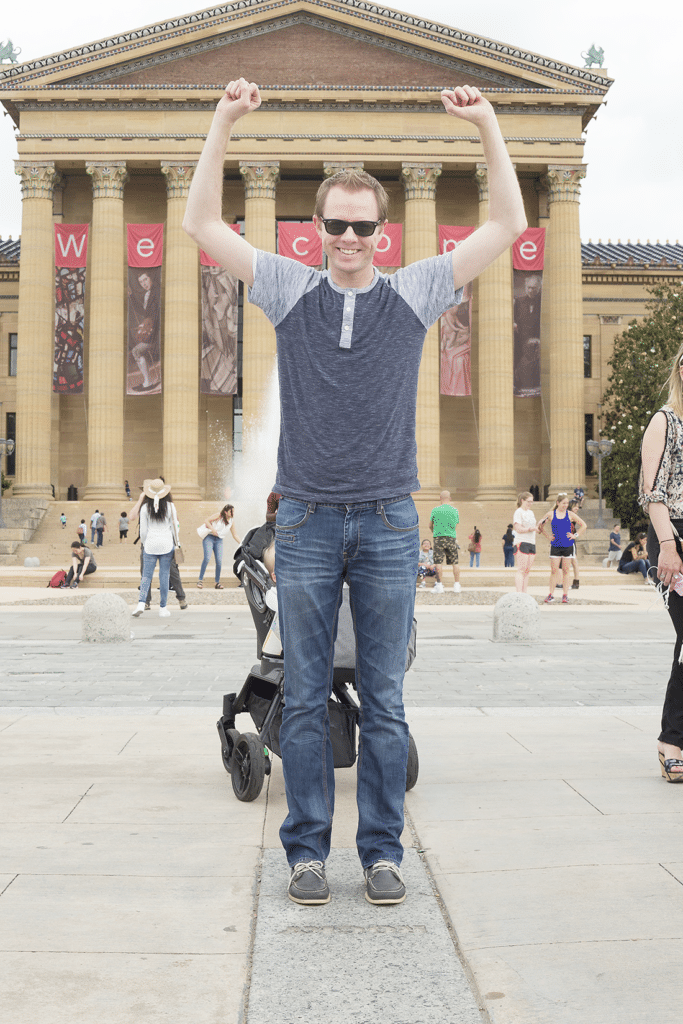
{"x": 124, "y": 352}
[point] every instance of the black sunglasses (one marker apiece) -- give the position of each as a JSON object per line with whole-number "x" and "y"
{"x": 362, "y": 228}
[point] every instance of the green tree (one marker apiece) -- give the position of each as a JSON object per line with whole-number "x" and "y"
{"x": 640, "y": 366}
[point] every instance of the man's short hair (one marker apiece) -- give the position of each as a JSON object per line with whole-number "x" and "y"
{"x": 353, "y": 180}
{"x": 77, "y": 544}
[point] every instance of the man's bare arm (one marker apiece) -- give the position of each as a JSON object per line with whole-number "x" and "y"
{"x": 203, "y": 220}
{"x": 506, "y": 220}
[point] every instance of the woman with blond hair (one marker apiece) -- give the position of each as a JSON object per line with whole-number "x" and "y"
{"x": 565, "y": 528}
{"x": 524, "y": 525}
{"x": 660, "y": 486}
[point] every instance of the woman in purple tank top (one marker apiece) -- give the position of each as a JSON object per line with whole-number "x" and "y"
{"x": 565, "y": 528}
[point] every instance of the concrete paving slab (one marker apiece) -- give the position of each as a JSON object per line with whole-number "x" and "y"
{"x": 126, "y": 988}
{"x": 156, "y": 850}
{"x": 506, "y": 799}
{"x": 594, "y": 903}
{"x": 44, "y": 802}
{"x": 531, "y": 842}
{"x": 353, "y": 963}
{"x": 164, "y": 801}
{"x": 124, "y": 914}
{"x": 579, "y": 983}
{"x": 650, "y": 794}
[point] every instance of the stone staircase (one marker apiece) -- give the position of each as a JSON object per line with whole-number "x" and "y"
{"x": 22, "y": 516}
{"x": 595, "y": 541}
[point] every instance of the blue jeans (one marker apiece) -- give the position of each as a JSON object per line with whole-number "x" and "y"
{"x": 637, "y": 565}
{"x": 473, "y": 555}
{"x": 148, "y": 566}
{"x": 211, "y": 544}
{"x": 509, "y": 555}
{"x": 374, "y": 545}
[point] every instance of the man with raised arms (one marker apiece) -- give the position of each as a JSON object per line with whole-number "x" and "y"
{"x": 349, "y": 343}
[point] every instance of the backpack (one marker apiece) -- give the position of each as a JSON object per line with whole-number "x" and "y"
{"x": 57, "y": 580}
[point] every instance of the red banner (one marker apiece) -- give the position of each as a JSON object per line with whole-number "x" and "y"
{"x": 145, "y": 245}
{"x": 529, "y": 249}
{"x": 451, "y": 235}
{"x": 71, "y": 253}
{"x": 298, "y": 240}
{"x": 206, "y": 260}
{"x": 389, "y": 250}
{"x": 71, "y": 245}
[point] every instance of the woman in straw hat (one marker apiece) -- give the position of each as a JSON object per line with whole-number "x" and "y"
{"x": 660, "y": 485}
{"x": 158, "y": 533}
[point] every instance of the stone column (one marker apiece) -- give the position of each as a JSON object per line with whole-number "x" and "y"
{"x": 35, "y": 330}
{"x": 496, "y": 345}
{"x": 420, "y": 240}
{"x": 562, "y": 291}
{"x": 104, "y": 373}
{"x": 258, "y": 335}
{"x": 181, "y": 340}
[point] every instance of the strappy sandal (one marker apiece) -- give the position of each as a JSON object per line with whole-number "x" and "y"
{"x": 667, "y": 765}
{"x": 200, "y": 585}
{"x": 219, "y": 586}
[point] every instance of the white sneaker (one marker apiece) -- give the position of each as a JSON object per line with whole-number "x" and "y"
{"x": 421, "y": 586}
{"x": 438, "y": 588}
{"x": 139, "y": 609}
{"x": 457, "y": 588}
{"x": 164, "y": 613}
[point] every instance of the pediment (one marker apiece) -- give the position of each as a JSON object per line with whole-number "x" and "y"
{"x": 302, "y": 43}
{"x": 304, "y": 50}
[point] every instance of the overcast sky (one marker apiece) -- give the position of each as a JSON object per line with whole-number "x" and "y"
{"x": 634, "y": 147}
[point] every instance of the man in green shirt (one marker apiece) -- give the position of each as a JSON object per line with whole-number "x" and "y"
{"x": 442, "y": 523}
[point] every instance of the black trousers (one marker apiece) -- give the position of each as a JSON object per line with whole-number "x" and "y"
{"x": 672, "y": 712}
{"x": 173, "y": 582}
{"x": 70, "y": 574}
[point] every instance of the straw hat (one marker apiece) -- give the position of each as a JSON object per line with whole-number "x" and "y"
{"x": 155, "y": 489}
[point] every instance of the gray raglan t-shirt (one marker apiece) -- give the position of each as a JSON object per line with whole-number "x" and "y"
{"x": 348, "y": 362}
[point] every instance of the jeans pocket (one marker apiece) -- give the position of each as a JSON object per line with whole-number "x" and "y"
{"x": 400, "y": 516}
{"x": 291, "y": 516}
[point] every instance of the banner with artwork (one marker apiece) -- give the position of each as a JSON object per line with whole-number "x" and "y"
{"x": 456, "y": 327}
{"x": 219, "y": 327}
{"x": 145, "y": 257}
{"x": 71, "y": 251}
{"x": 527, "y": 263}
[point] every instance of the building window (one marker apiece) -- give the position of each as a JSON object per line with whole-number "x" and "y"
{"x": 13, "y": 355}
{"x": 588, "y": 431}
{"x": 10, "y": 433}
{"x": 587, "y": 355}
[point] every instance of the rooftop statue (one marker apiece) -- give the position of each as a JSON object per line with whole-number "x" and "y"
{"x": 8, "y": 55}
{"x": 594, "y": 56}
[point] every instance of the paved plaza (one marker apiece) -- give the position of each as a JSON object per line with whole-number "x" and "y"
{"x": 542, "y": 847}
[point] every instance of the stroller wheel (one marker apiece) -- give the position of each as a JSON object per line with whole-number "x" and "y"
{"x": 226, "y": 754}
{"x": 413, "y": 763}
{"x": 248, "y": 767}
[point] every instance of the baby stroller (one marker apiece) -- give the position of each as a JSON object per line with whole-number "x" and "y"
{"x": 247, "y": 755}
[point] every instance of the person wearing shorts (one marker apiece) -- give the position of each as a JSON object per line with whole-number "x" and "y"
{"x": 442, "y": 523}
{"x": 566, "y": 527}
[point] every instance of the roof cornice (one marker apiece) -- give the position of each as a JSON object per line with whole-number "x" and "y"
{"x": 75, "y": 59}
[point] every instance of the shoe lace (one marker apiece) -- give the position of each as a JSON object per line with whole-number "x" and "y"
{"x": 316, "y": 866}
{"x": 385, "y": 865}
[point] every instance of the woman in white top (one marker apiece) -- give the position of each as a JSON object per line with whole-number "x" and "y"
{"x": 212, "y": 533}
{"x": 158, "y": 533}
{"x": 524, "y": 525}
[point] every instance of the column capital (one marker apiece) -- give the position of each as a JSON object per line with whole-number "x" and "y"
{"x": 333, "y": 166}
{"x": 260, "y": 179}
{"x": 178, "y": 178}
{"x": 108, "y": 178}
{"x": 564, "y": 182}
{"x": 481, "y": 174}
{"x": 419, "y": 180}
{"x": 37, "y": 178}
